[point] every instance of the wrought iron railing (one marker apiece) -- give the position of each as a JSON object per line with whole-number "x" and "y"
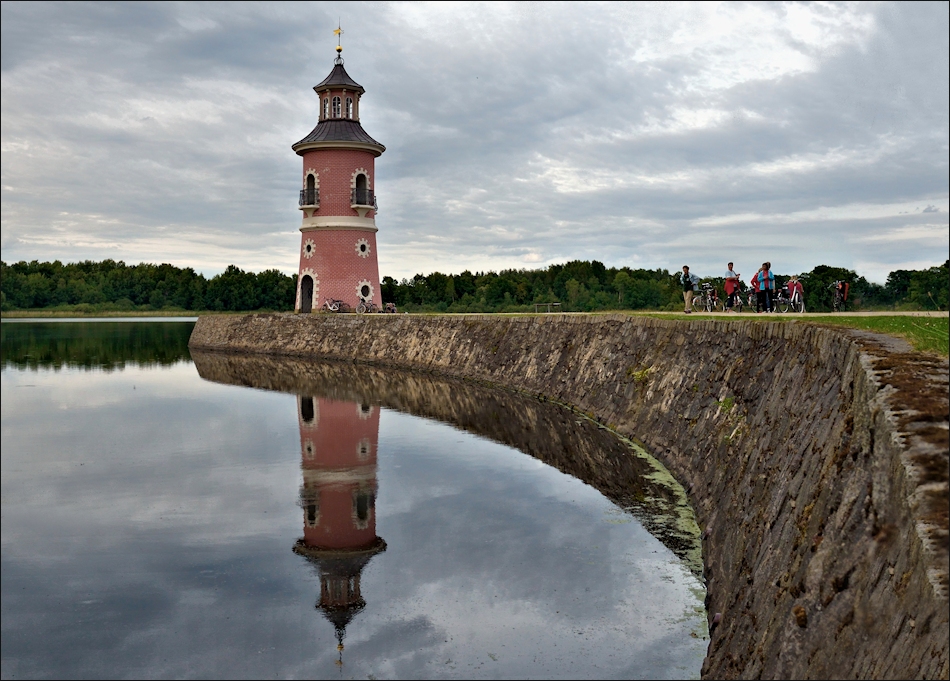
{"x": 363, "y": 197}
{"x": 309, "y": 197}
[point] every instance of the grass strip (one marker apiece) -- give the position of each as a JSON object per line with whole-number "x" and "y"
{"x": 925, "y": 334}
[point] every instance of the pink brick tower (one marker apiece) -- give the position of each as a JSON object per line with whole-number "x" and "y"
{"x": 338, "y": 233}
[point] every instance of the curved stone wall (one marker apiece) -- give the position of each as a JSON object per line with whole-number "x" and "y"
{"x": 816, "y": 460}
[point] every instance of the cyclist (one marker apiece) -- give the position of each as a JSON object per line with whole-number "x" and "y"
{"x": 732, "y": 288}
{"x": 689, "y": 282}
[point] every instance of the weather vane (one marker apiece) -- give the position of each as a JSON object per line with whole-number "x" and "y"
{"x": 338, "y": 32}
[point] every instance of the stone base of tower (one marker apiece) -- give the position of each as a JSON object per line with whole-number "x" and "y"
{"x": 338, "y": 264}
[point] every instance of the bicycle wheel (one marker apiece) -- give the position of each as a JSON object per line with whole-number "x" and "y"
{"x": 361, "y": 308}
{"x": 718, "y": 306}
{"x": 783, "y": 305}
{"x": 800, "y": 306}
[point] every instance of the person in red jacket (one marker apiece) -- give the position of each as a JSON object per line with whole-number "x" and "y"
{"x": 754, "y": 281}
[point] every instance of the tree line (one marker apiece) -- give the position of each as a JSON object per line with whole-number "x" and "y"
{"x": 580, "y": 286}
{"x": 115, "y": 286}
{"x": 589, "y": 286}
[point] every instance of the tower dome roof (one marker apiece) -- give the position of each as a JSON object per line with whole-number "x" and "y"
{"x": 339, "y": 78}
{"x": 338, "y": 132}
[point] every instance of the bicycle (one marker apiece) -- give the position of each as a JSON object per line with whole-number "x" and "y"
{"x": 784, "y": 302}
{"x": 840, "y": 295}
{"x": 740, "y": 293}
{"x": 334, "y": 305}
{"x": 707, "y": 300}
{"x": 365, "y": 306}
{"x": 751, "y": 299}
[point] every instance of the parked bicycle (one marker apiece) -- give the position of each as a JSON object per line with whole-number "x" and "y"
{"x": 365, "y": 306}
{"x": 840, "y": 295}
{"x": 334, "y": 305}
{"x": 788, "y": 302}
{"x": 740, "y": 297}
{"x": 707, "y": 299}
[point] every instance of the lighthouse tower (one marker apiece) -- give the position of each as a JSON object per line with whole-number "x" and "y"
{"x": 337, "y": 199}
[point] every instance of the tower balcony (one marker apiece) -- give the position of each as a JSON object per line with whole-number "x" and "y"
{"x": 309, "y": 198}
{"x": 363, "y": 201}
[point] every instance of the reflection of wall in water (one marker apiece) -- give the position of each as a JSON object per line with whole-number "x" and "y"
{"x": 338, "y": 456}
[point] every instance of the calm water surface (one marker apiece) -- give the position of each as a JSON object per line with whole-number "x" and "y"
{"x": 165, "y": 516}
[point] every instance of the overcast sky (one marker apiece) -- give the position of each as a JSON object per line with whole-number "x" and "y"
{"x": 517, "y": 135}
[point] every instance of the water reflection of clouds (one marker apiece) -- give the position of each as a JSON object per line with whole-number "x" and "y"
{"x": 167, "y": 552}
{"x": 174, "y": 448}
{"x": 520, "y": 565}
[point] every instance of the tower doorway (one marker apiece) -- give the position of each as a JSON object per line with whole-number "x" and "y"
{"x": 306, "y": 293}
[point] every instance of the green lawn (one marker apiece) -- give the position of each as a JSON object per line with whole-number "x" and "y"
{"x": 926, "y": 334}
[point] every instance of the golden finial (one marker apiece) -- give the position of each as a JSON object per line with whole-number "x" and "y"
{"x": 338, "y": 32}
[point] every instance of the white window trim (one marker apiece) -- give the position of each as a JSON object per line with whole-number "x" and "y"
{"x": 357, "y": 172}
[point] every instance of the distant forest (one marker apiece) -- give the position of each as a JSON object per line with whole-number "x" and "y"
{"x": 580, "y": 286}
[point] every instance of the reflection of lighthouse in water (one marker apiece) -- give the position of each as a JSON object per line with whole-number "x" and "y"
{"x": 338, "y": 448}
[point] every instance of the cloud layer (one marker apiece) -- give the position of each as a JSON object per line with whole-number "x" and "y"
{"x": 517, "y": 135}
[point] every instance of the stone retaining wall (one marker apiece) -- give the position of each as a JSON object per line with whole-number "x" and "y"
{"x": 816, "y": 460}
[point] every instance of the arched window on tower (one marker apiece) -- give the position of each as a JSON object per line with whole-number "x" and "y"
{"x": 336, "y": 107}
{"x": 349, "y": 107}
{"x": 310, "y": 195}
{"x": 361, "y": 195}
{"x": 326, "y": 107}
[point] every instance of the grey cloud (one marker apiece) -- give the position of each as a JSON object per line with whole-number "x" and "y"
{"x": 141, "y": 118}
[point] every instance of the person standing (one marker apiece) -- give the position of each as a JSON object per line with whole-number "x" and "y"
{"x": 689, "y": 282}
{"x": 756, "y": 282}
{"x": 732, "y": 288}
{"x": 766, "y": 284}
